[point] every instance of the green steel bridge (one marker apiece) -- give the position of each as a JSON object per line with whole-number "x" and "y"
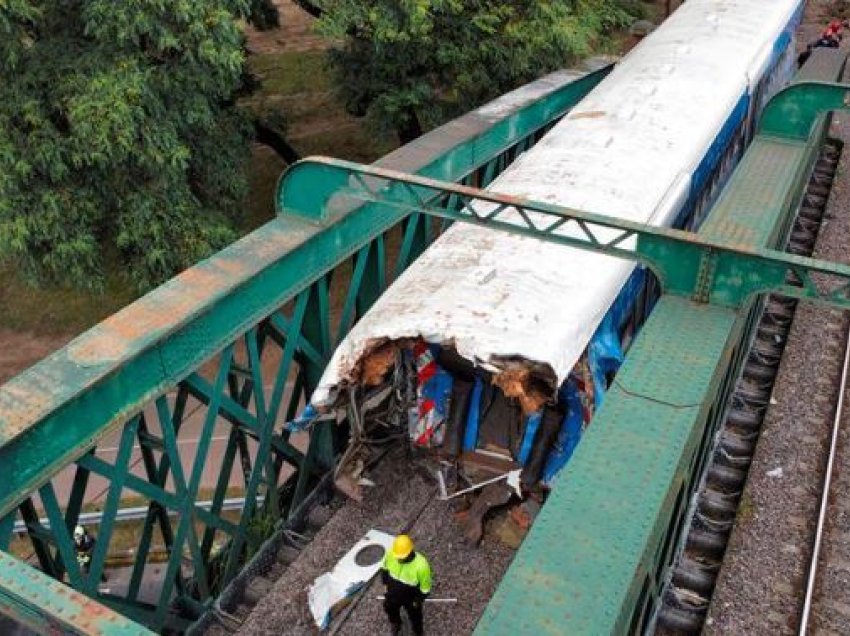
{"x": 241, "y": 339}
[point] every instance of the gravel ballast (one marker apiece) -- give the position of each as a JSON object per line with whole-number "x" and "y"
{"x": 761, "y": 584}
{"x": 402, "y": 495}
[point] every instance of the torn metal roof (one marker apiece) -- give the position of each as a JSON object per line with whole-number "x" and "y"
{"x": 628, "y": 150}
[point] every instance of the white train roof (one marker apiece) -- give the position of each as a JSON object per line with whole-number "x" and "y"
{"x": 627, "y": 150}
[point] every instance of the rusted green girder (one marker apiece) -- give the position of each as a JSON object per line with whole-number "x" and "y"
{"x": 686, "y": 264}
{"x": 793, "y": 111}
{"x": 50, "y": 607}
{"x": 193, "y": 349}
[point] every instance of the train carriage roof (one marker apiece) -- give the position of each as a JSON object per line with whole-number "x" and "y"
{"x": 629, "y": 150}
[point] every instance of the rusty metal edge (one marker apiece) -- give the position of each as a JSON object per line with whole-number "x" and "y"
{"x": 49, "y": 607}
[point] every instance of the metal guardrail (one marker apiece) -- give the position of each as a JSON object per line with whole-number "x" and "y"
{"x": 267, "y": 294}
{"x": 137, "y": 513}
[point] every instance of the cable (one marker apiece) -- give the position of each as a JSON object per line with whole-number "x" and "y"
{"x": 827, "y": 479}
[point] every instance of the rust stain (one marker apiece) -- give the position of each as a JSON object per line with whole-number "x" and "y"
{"x": 99, "y": 610}
{"x": 376, "y": 365}
{"x": 511, "y": 199}
{"x": 273, "y": 240}
{"x": 154, "y": 314}
{"x": 26, "y": 398}
{"x": 518, "y": 383}
{"x": 234, "y": 267}
{"x": 167, "y": 307}
{"x": 22, "y": 405}
{"x": 75, "y": 610}
{"x": 588, "y": 114}
{"x": 188, "y": 292}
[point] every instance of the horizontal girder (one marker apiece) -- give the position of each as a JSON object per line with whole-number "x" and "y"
{"x": 792, "y": 112}
{"x": 686, "y": 264}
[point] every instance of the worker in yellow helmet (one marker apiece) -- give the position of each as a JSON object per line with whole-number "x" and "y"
{"x": 407, "y": 575}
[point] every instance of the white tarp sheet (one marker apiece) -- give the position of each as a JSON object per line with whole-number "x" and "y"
{"x": 345, "y": 579}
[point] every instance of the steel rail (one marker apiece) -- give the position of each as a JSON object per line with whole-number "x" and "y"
{"x": 824, "y": 503}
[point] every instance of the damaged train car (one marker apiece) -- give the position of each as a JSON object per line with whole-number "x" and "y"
{"x": 492, "y": 351}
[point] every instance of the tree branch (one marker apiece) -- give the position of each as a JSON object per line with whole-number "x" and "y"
{"x": 409, "y": 128}
{"x": 311, "y": 8}
{"x": 270, "y": 137}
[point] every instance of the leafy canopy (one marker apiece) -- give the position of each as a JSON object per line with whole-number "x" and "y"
{"x": 409, "y": 61}
{"x": 119, "y": 134}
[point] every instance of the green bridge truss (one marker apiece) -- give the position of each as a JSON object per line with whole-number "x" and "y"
{"x": 286, "y": 294}
{"x": 199, "y": 345}
{"x": 599, "y": 555}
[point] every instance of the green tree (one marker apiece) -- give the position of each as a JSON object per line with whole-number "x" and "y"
{"x": 410, "y": 64}
{"x": 120, "y": 135}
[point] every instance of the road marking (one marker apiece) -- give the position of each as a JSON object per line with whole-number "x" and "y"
{"x": 114, "y": 449}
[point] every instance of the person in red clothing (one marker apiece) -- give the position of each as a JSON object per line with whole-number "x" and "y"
{"x": 835, "y": 27}
{"x": 829, "y": 38}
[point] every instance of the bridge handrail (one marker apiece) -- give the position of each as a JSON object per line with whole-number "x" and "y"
{"x": 685, "y": 263}
{"x": 106, "y": 374}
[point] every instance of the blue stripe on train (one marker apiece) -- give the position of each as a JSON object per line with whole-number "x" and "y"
{"x": 605, "y": 352}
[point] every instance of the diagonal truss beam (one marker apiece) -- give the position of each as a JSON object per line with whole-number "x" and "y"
{"x": 686, "y": 265}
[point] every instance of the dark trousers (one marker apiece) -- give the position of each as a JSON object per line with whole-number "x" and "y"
{"x": 413, "y": 607}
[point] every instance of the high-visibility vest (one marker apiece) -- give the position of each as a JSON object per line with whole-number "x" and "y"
{"x": 416, "y": 573}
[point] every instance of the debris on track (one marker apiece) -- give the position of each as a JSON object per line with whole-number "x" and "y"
{"x": 403, "y": 499}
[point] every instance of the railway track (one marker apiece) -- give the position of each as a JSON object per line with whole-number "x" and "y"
{"x": 688, "y": 594}
{"x": 830, "y": 536}
{"x": 228, "y": 617}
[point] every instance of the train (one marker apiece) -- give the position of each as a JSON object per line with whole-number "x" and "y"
{"x": 504, "y": 345}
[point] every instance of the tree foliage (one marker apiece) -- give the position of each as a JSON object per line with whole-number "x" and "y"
{"x": 119, "y": 134}
{"x": 406, "y": 62}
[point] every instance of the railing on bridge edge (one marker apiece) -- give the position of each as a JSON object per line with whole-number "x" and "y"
{"x": 201, "y": 338}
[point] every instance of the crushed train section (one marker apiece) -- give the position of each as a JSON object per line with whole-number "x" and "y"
{"x": 459, "y": 421}
{"x": 466, "y": 388}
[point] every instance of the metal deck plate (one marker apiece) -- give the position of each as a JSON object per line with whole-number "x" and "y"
{"x": 747, "y": 209}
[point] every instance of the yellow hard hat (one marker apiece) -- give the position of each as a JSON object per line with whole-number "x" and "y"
{"x": 402, "y": 546}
